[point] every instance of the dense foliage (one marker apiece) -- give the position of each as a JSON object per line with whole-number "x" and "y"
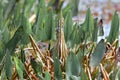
{"x": 40, "y": 41}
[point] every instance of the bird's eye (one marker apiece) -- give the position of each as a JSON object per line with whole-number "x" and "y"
{"x": 44, "y": 45}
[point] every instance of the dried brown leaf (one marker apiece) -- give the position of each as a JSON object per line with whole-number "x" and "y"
{"x": 104, "y": 72}
{"x": 36, "y": 46}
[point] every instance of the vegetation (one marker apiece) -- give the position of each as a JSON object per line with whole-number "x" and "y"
{"x": 40, "y": 41}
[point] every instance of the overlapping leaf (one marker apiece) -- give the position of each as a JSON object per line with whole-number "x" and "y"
{"x": 68, "y": 26}
{"x": 98, "y": 54}
{"x": 57, "y": 69}
{"x": 15, "y": 39}
{"x": 40, "y": 22}
{"x": 72, "y": 60}
{"x": 19, "y": 67}
{"x": 47, "y": 76}
{"x": 114, "y": 31}
{"x": 95, "y": 31}
{"x": 88, "y": 24}
{"x": 8, "y": 65}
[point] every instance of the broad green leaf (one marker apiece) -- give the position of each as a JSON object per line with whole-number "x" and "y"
{"x": 47, "y": 76}
{"x": 26, "y": 31}
{"x": 54, "y": 25}
{"x": 5, "y": 35}
{"x": 8, "y": 65}
{"x": 80, "y": 55}
{"x": 42, "y": 34}
{"x": 8, "y": 9}
{"x": 51, "y": 2}
{"x": 72, "y": 77}
{"x": 1, "y": 32}
{"x": 57, "y": 69}
{"x": 50, "y": 26}
{"x": 95, "y": 31}
{"x": 68, "y": 26}
{"x": 98, "y": 54}
{"x": 76, "y": 35}
{"x": 40, "y": 22}
{"x": 74, "y": 6}
{"x": 88, "y": 25}
{"x": 19, "y": 67}
{"x": 66, "y": 9}
{"x": 114, "y": 31}
{"x": 28, "y": 6}
{"x": 72, "y": 40}
{"x": 11, "y": 45}
{"x": 72, "y": 59}
{"x": 81, "y": 35}
{"x": 83, "y": 75}
{"x": 17, "y": 20}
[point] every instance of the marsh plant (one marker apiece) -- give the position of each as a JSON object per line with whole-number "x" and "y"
{"x": 40, "y": 41}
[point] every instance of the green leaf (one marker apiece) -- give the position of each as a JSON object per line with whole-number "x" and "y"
{"x": 80, "y": 55}
{"x": 47, "y": 76}
{"x": 98, "y": 54}
{"x": 11, "y": 45}
{"x": 8, "y": 65}
{"x": 68, "y": 25}
{"x": 72, "y": 77}
{"x": 4, "y": 38}
{"x": 57, "y": 69}
{"x": 28, "y": 6}
{"x": 17, "y": 19}
{"x": 95, "y": 31}
{"x": 5, "y": 35}
{"x": 81, "y": 35}
{"x": 66, "y": 9}
{"x": 83, "y": 75}
{"x": 74, "y": 6}
{"x": 40, "y": 21}
{"x": 26, "y": 31}
{"x": 114, "y": 31}
{"x": 19, "y": 67}
{"x": 72, "y": 59}
{"x": 88, "y": 25}
{"x": 1, "y": 18}
{"x": 9, "y": 8}
{"x": 72, "y": 40}
{"x": 54, "y": 25}
{"x": 77, "y": 35}
{"x": 50, "y": 26}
